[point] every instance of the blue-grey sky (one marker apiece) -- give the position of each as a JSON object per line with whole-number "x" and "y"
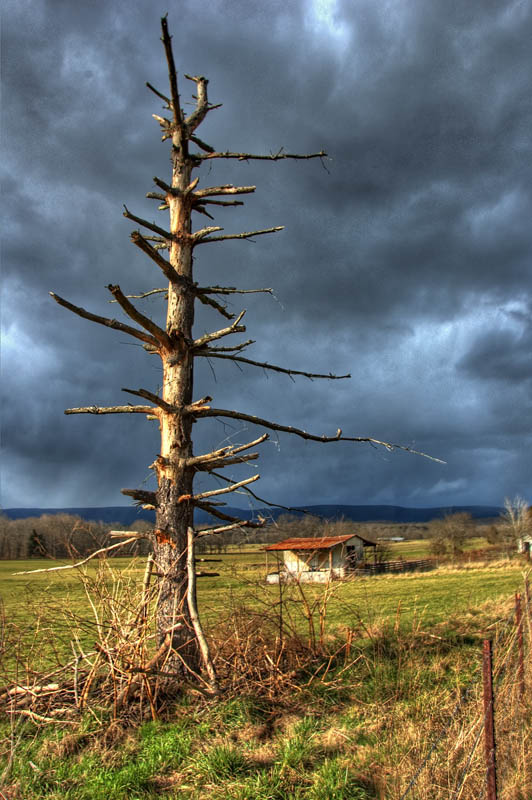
{"x": 406, "y": 262}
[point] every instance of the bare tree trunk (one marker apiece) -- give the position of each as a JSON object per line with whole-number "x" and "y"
{"x": 180, "y": 637}
{"x": 173, "y": 516}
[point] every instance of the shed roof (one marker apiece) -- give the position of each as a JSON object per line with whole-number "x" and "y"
{"x": 317, "y": 543}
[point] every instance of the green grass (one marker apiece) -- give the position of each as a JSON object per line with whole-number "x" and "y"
{"x": 359, "y": 732}
{"x": 46, "y": 768}
{"x": 364, "y": 747}
{"x": 420, "y": 548}
{"x": 425, "y": 598}
{"x": 179, "y": 760}
{"x": 430, "y": 596}
{"x": 333, "y": 780}
{"x": 250, "y": 564}
{"x": 220, "y": 762}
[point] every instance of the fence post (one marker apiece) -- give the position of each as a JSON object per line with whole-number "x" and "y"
{"x": 489, "y": 727}
{"x": 520, "y": 645}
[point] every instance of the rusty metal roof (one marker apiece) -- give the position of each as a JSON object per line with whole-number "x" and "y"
{"x": 317, "y": 543}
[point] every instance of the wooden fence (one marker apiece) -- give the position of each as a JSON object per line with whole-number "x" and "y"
{"x": 395, "y": 566}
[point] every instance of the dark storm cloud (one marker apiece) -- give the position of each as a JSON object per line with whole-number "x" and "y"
{"x": 405, "y": 262}
{"x": 500, "y": 356}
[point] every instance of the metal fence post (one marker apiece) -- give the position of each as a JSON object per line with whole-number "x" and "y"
{"x": 489, "y": 726}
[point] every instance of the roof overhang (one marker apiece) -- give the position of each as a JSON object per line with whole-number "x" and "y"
{"x": 317, "y": 543}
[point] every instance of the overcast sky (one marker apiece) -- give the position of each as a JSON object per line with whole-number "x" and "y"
{"x": 406, "y": 262}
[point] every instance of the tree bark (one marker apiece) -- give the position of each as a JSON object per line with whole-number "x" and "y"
{"x": 174, "y": 478}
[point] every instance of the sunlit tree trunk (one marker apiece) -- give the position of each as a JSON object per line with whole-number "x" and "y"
{"x": 182, "y": 647}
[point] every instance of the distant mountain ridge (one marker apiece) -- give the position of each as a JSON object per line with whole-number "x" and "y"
{"x": 127, "y": 515}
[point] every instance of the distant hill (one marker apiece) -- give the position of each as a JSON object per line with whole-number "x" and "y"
{"x": 400, "y": 513}
{"x": 127, "y": 515}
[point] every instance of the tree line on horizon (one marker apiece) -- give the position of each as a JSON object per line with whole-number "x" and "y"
{"x": 67, "y": 536}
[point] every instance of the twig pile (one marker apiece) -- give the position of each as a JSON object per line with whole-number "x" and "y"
{"x": 109, "y": 662}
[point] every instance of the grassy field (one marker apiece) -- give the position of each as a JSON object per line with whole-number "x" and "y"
{"x": 354, "y": 722}
{"x": 434, "y": 595}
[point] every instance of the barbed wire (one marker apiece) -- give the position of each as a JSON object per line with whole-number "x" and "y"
{"x": 464, "y": 698}
{"x": 465, "y": 771}
{"x": 507, "y": 646}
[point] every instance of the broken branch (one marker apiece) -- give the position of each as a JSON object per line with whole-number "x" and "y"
{"x": 228, "y": 290}
{"x": 142, "y": 243}
{"x": 214, "y": 492}
{"x": 236, "y": 348}
{"x": 261, "y": 499}
{"x": 221, "y": 203}
{"x": 225, "y": 455}
{"x": 166, "y": 187}
{"x": 247, "y": 235}
{"x": 166, "y": 235}
{"x": 224, "y": 528}
{"x": 154, "y": 399}
{"x": 162, "y": 96}
{"x": 202, "y": 106}
{"x": 208, "y": 301}
{"x": 141, "y": 495}
{"x": 201, "y": 234}
{"x": 211, "y": 337}
{"x": 213, "y": 511}
{"x": 213, "y": 352}
{"x": 172, "y": 75}
{"x": 274, "y": 426}
{"x": 112, "y": 410}
{"x": 193, "y": 608}
{"x": 156, "y": 196}
{"x": 271, "y": 157}
{"x": 203, "y": 145}
{"x": 221, "y": 463}
{"x": 109, "y": 323}
{"x": 143, "y": 295}
{"x": 203, "y": 210}
{"x": 225, "y": 188}
{"x": 142, "y": 320}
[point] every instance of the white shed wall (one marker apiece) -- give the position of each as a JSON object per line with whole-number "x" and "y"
{"x": 298, "y": 561}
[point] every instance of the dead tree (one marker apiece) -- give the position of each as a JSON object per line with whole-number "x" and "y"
{"x": 182, "y": 645}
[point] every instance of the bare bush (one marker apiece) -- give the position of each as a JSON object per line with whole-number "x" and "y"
{"x": 450, "y": 534}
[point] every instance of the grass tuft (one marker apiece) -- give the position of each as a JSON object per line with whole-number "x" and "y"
{"x": 334, "y": 781}
{"x": 221, "y": 762}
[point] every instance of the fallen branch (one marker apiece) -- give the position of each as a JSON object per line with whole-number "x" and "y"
{"x": 78, "y": 563}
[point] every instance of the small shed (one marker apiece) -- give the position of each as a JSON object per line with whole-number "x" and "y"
{"x": 524, "y": 545}
{"x": 317, "y": 559}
